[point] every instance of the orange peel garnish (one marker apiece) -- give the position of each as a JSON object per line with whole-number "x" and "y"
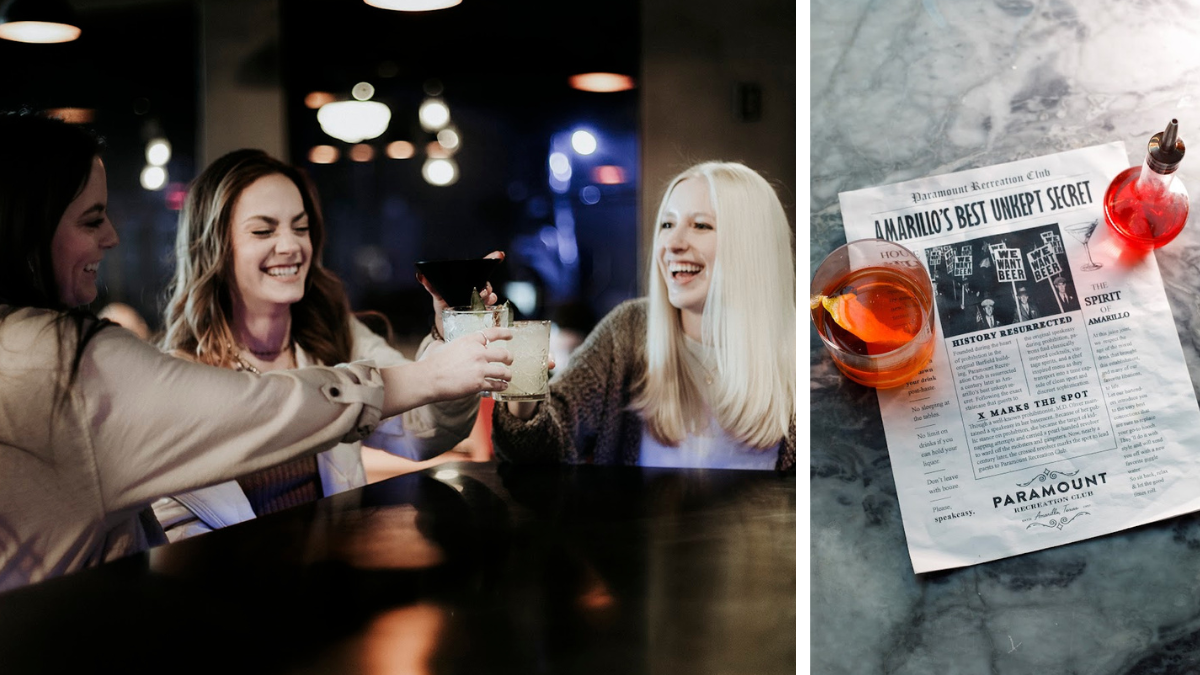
{"x": 859, "y": 320}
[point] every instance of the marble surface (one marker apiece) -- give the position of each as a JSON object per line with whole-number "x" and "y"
{"x": 901, "y": 90}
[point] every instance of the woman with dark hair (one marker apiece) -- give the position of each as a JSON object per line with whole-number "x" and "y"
{"x": 96, "y": 424}
{"x": 250, "y": 294}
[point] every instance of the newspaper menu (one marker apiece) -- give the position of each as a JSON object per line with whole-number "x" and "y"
{"x": 1058, "y": 405}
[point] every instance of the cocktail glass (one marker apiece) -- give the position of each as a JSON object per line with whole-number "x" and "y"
{"x": 530, "y": 348}
{"x": 1082, "y": 233}
{"x": 460, "y": 321}
{"x": 872, "y": 303}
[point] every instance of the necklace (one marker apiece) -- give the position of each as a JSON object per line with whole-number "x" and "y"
{"x": 243, "y": 364}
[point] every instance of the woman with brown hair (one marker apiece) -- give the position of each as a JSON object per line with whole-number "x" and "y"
{"x": 250, "y": 294}
{"x": 96, "y": 424}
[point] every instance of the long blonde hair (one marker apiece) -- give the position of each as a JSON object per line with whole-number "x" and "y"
{"x": 199, "y": 309}
{"x": 749, "y": 320}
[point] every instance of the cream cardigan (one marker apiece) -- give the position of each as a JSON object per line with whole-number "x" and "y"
{"x": 136, "y": 425}
{"x": 417, "y": 434}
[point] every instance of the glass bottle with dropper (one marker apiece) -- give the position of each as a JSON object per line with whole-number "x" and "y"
{"x": 1147, "y": 206}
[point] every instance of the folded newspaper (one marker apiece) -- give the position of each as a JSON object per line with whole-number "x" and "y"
{"x": 1058, "y": 405}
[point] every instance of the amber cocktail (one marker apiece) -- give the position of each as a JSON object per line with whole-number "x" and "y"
{"x": 872, "y": 303}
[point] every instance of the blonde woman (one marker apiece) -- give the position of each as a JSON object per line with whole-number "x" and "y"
{"x": 250, "y": 294}
{"x": 702, "y": 372}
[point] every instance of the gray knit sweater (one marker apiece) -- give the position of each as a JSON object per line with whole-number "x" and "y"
{"x": 587, "y": 419}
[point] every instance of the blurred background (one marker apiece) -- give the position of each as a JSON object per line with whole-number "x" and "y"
{"x": 436, "y": 134}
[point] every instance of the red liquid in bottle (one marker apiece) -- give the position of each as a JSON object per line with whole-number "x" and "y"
{"x": 1145, "y": 209}
{"x": 1147, "y": 206}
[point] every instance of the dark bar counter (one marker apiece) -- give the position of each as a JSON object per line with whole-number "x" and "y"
{"x": 462, "y": 568}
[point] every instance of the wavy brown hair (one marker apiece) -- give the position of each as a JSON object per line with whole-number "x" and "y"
{"x": 199, "y": 306}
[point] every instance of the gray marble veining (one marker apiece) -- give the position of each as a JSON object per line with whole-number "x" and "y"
{"x": 905, "y": 89}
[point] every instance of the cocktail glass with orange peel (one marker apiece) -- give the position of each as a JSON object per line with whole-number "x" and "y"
{"x": 872, "y": 303}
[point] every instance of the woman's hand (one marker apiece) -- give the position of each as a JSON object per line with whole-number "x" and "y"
{"x": 446, "y": 371}
{"x": 439, "y": 303}
{"x": 470, "y": 364}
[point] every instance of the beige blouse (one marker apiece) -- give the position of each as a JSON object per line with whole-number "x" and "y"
{"x": 139, "y": 424}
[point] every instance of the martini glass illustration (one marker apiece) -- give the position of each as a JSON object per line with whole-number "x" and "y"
{"x": 1083, "y": 232}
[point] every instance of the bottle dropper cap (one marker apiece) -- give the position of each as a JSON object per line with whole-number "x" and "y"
{"x": 1165, "y": 149}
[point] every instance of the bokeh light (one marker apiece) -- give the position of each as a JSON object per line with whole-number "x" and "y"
{"x": 73, "y": 115}
{"x": 176, "y": 195}
{"x": 316, "y": 99}
{"x": 158, "y": 152}
{"x": 434, "y": 114}
{"x": 440, "y": 172}
{"x": 354, "y": 121}
{"x": 608, "y": 175}
{"x": 560, "y": 166}
{"x": 412, "y": 5}
{"x": 401, "y": 150}
{"x": 154, "y": 177}
{"x": 323, "y": 154}
{"x": 361, "y": 153}
{"x": 448, "y": 138}
{"x": 38, "y": 32}
{"x": 601, "y": 82}
{"x": 583, "y": 142}
{"x": 363, "y": 91}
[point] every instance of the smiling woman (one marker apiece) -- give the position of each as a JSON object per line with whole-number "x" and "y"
{"x": 82, "y": 237}
{"x": 686, "y": 250}
{"x": 97, "y": 424}
{"x": 271, "y": 255}
{"x": 700, "y": 374}
{"x": 250, "y": 293}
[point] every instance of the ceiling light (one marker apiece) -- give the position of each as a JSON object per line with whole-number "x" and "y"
{"x": 38, "y": 21}
{"x": 354, "y": 121}
{"x": 601, "y": 82}
{"x": 412, "y": 5}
